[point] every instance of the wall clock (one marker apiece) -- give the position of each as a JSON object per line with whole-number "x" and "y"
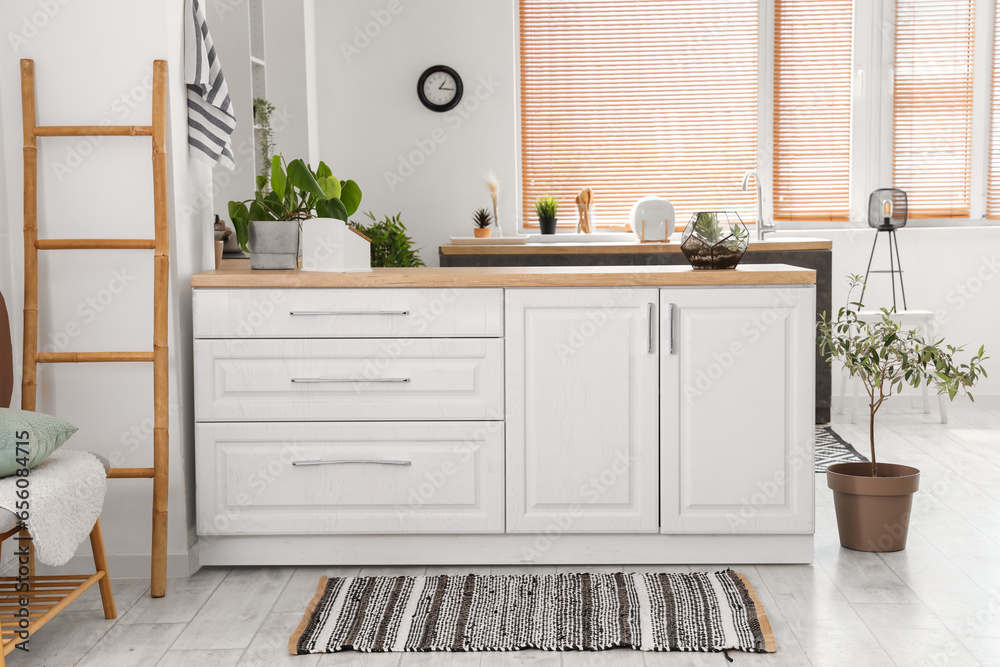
{"x": 440, "y": 88}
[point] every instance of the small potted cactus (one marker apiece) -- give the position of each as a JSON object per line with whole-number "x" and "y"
{"x": 546, "y": 208}
{"x": 483, "y": 219}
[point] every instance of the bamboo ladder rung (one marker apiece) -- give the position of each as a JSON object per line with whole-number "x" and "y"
{"x": 93, "y": 131}
{"x": 131, "y": 473}
{"x": 92, "y": 357}
{"x": 95, "y": 244}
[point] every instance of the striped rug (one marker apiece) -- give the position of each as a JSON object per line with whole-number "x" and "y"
{"x": 558, "y": 612}
{"x": 831, "y": 448}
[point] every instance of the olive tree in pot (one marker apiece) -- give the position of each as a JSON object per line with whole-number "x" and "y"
{"x": 873, "y": 500}
{"x": 270, "y": 223}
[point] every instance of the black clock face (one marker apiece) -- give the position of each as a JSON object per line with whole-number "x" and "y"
{"x": 440, "y": 88}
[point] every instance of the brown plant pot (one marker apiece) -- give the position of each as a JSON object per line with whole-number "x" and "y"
{"x": 873, "y": 513}
{"x": 482, "y": 232}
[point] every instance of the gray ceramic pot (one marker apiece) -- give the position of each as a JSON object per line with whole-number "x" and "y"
{"x": 274, "y": 244}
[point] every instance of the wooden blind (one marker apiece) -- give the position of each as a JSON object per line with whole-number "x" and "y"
{"x": 993, "y": 185}
{"x": 932, "y": 106}
{"x": 812, "y": 109}
{"x": 638, "y": 98}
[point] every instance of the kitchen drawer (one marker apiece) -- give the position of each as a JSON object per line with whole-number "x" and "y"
{"x": 376, "y": 477}
{"x": 348, "y": 313}
{"x": 409, "y": 379}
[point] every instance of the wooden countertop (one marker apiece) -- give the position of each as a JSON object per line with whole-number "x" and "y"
{"x": 511, "y": 276}
{"x": 623, "y": 247}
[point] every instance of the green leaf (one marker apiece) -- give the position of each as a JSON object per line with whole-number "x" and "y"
{"x": 330, "y": 185}
{"x": 350, "y": 194}
{"x": 261, "y": 181}
{"x": 241, "y": 218}
{"x": 277, "y": 177}
{"x": 301, "y": 177}
{"x": 258, "y": 211}
{"x": 331, "y": 208}
{"x": 323, "y": 171}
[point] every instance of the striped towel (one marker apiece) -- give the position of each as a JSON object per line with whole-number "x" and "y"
{"x": 210, "y": 111}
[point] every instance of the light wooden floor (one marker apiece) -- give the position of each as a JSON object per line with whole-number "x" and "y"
{"x": 937, "y": 603}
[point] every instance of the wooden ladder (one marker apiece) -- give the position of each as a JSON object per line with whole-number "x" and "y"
{"x": 160, "y": 245}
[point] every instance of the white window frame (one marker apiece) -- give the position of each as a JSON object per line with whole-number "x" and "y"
{"x": 871, "y": 113}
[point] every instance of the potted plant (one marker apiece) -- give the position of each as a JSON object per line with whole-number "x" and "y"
{"x": 873, "y": 500}
{"x": 714, "y": 240}
{"x": 546, "y": 208}
{"x": 391, "y": 245}
{"x": 270, "y": 222}
{"x": 483, "y": 219}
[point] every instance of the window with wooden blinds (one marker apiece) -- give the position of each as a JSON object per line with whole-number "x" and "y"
{"x": 932, "y": 106}
{"x": 812, "y": 109}
{"x": 993, "y": 183}
{"x": 638, "y": 98}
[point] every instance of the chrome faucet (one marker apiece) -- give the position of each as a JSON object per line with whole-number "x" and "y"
{"x": 762, "y": 226}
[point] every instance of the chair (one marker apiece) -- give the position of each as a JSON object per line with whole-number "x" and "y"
{"x": 48, "y": 594}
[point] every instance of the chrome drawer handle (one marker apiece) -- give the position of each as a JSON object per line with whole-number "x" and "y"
{"x": 347, "y": 380}
{"x": 649, "y": 331}
{"x": 672, "y": 346}
{"x": 331, "y": 462}
{"x": 307, "y": 313}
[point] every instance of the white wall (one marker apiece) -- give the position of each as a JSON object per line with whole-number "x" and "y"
{"x": 371, "y": 121}
{"x": 287, "y": 87}
{"x": 93, "y": 64}
{"x": 954, "y": 272}
{"x": 229, "y": 24}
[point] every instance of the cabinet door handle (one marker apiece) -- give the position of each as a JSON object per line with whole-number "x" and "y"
{"x": 313, "y": 313}
{"x": 346, "y": 380}
{"x": 650, "y": 313}
{"x": 336, "y": 462}
{"x": 671, "y": 344}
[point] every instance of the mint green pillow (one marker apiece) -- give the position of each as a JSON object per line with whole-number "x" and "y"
{"x": 37, "y": 433}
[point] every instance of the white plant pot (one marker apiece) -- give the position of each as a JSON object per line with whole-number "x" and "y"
{"x": 332, "y": 246}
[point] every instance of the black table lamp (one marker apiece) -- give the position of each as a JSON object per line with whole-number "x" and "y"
{"x": 887, "y": 208}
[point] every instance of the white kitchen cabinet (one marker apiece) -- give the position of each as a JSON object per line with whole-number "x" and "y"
{"x": 446, "y": 312}
{"x": 311, "y": 478}
{"x": 415, "y": 379}
{"x": 736, "y": 440}
{"x": 581, "y": 415}
{"x": 556, "y": 415}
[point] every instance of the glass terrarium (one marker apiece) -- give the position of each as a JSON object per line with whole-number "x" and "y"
{"x": 715, "y": 240}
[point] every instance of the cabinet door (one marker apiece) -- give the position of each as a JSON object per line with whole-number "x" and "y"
{"x": 581, "y": 410}
{"x": 736, "y": 373}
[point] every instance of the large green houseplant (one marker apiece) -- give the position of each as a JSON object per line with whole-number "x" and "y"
{"x": 268, "y": 225}
{"x": 873, "y": 500}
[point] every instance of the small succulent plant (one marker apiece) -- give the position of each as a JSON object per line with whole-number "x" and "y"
{"x": 546, "y": 206}
{"x": 483, "y": 218}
